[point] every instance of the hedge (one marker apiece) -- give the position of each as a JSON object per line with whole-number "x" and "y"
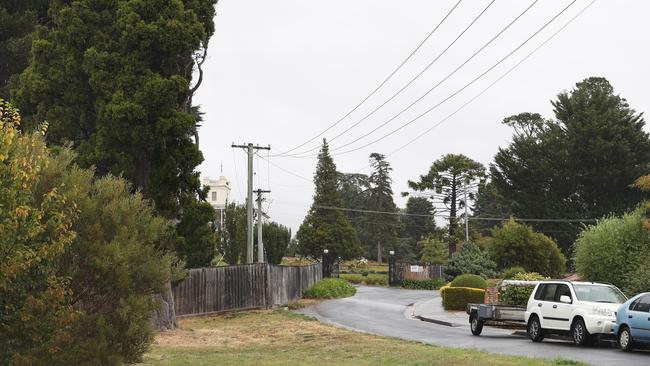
{"x": 423, "y": 284}
{"x": 457, "y": 298}
{"x": 330, "y": 288}
{"x": 469, "y": 280}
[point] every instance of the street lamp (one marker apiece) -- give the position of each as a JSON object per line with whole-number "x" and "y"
{"x": 325, "y": 251}
{"x": 391, "y": 252}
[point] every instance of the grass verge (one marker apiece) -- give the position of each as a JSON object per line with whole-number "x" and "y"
{"x": 283, "y": 338}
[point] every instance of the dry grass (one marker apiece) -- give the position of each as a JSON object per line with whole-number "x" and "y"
{"x": 283, "y": 338}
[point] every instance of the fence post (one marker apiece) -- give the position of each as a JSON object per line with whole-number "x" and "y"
{"x": 391, "y": 268}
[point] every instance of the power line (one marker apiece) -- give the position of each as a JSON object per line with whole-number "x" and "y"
{"x": 382, "y": 83}
{"x": 234, "y": 161}
{"x": 489, "y": 86}
{"x": 476, "y": 218}
{"x": 452, "y": 95}
{"x": 287, "y": 171}
{"x": 407, "y": 84}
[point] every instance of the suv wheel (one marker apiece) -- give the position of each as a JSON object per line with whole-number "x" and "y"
{"x": 535, "y": 331}
{"x": 580, "y": 334}
{"x": 625, "y": 339}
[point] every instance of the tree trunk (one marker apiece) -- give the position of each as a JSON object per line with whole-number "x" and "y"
{"x": 378, "y": 251}
{"x": 165, "y": 317}
{"x": 452, "y": 217}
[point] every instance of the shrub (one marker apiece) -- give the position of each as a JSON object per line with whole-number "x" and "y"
{"x": 85, "y": 257}
{"x": 457, "y": 298}
{"x": 518, "y": 295}
{"x": 376, "y": 280}
{"x": 469, "y": 280}
{"x": 615, "y": 250}
{"x": 330, "y": 288}
{"x": 510, "y": 273}
{"x": 515, "y": 244}
{"x": 423, "y": 284}
{"x": 352, "y": 277}
{"x": 470, "y": 259}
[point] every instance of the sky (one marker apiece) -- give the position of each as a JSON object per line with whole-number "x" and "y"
{"x": 280, "y": 72}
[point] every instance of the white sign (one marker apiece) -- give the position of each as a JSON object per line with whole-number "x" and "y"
{"x": 417, "y": 269}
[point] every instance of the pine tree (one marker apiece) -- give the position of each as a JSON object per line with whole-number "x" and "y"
{"x": 325, "y": 227}
{"x": 382, "y": 228}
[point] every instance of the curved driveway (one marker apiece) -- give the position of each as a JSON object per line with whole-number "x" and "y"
{"x": 384, "y": 311}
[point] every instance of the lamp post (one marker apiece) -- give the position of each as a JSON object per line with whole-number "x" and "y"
{"x": 327, "y": 270}
{"x": 391, "y": 269}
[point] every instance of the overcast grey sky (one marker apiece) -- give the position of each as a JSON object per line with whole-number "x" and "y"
{"x": 281, "y": 71}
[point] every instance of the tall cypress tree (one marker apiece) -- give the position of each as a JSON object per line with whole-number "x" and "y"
{"x": 382, "y": 228}
{"x": 325, "y": 227}
{"x": 115, "y": 80}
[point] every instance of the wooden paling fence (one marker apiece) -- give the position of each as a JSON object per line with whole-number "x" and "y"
{"x": 399, "y": 271}
{"x": 261, "y": 285}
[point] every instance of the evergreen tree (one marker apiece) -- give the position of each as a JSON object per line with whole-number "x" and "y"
{"x": 446, "y": 178}
{"x": 114, "y": 78}
{"x": 382, "y": 228}
{"x": 418, "y": 227}
{"x": 197, "y": 242}
{"x": 324, "y": 227}
{"x": 580, "y": 165}
{"x": 233, "y": 235}
{"x": 276, "y": 241}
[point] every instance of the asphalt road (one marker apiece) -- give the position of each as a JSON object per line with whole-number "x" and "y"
{"x": 384, "y": 311}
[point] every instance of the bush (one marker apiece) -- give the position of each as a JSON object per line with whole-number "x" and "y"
{"x": 518, "y": 295}
{"x": 457, "y": 298}
{"x": 433, "y": 251}
{"x": 83, "y": 257}
{"x": 423, "y": 284}
{"x": 370, "y": 280}
{"x": 615, "y": 250}
{"x": 515, "y": 244}
{"x": 469, "y": 280}
{"x": 510, "y": 273}
{"x": 330, "y": 288}
{"x": 470, "y": 259}
{"x": 377, "y": 280}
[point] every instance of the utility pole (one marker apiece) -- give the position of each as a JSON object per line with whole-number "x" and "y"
{"x": 466, "y": 218}
{"x": 260, "y": 221}
{"x": 250, "y": 148}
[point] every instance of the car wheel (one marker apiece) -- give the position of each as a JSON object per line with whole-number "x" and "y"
{"x": 476, "y": 325}
{"x": 625, "y": 339}
{"x": 535, "y": 331}
{"x": 580, "y": 334}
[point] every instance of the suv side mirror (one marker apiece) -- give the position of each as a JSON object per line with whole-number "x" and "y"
{"x": 565, "y": 299}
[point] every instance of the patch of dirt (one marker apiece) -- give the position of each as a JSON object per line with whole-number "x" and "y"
{"x": 254, "y": 328}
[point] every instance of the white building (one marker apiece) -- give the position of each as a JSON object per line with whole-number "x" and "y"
{"x": 218, "y": 195}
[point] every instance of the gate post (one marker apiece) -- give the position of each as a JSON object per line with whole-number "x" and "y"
{"x": 391, "y": 268}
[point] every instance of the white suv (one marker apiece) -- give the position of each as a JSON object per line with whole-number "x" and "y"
{"x": 579, "y": 309}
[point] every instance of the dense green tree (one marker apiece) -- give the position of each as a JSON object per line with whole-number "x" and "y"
{"x": 580, "y": 165}
{"x": 114, "y": 78}
{"x": 197, "y": 242}
{"x": 514, "y": 244}
{"x": 276, "y": 241}
{"x": 382, "y": 229}
{"x": 446, "y": 178}
{"x": 324, "y": 227}
{"x": 19, "y": 20}
{"x": 355, "y": 194}
{"x": 433, "y": 250}
{"x": 232, "y": 242}
{"x": 418, "y": 227}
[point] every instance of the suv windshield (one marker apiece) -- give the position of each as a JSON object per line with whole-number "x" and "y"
{"x": 598, "y": 293}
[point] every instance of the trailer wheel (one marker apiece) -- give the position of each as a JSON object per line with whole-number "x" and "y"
{"x": 476, "y": 324}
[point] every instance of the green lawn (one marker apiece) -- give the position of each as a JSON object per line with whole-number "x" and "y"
{"x": 283, "y": 338}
